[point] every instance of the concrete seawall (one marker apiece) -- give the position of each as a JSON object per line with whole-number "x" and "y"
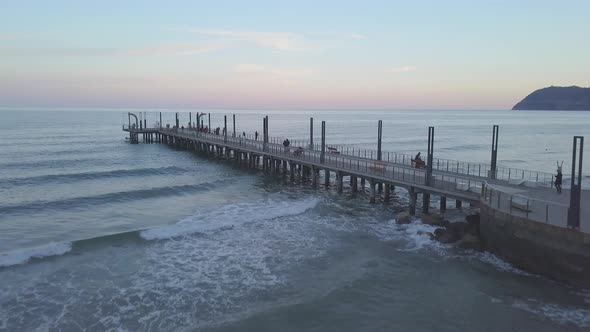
{"x": 558, "y": 253}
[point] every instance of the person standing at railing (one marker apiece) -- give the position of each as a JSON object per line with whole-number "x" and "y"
{"x": 558, "y": 180}
{"x": 256, "y": 136}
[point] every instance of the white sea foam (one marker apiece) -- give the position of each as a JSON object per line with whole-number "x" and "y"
{"x": 557, "y": 313}
{"x": 419, "y": 236}
{"x": 229, "y": 215}
{"x": 22, "y": 256}
{"x": 497, "y": 262}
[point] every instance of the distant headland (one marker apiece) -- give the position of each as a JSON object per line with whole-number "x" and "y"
{"x": 556, "y": 98}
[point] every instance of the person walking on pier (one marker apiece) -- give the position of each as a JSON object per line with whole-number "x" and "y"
{"x": 256, "y": 136}
{"x": 558, "y": 180}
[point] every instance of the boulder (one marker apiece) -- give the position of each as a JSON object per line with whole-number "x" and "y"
{"x": 430, "y": 235}
{"x": 433, "y": 219}
{"x": 473, "y": 224}
{"x": 470, "y": 241}
{"x": 444, "y": 235}
{"x": 403, "y": 218}
{"x": 458, "y": 228}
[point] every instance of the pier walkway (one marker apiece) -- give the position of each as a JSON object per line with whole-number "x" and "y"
{"x": 520, "y": 193}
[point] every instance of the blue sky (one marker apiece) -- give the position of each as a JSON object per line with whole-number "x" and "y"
{"x": 289, "y": 54}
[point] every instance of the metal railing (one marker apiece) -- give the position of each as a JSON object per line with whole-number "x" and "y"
{"x": 551, "y": 213}
{"x": 481, "y": 170}
{"x": 465, "y": 187}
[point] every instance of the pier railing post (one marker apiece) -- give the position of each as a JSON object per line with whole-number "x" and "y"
{"x": 225, "y": 129}
{"x": 493, "y": 167}
{"x": 209, "y": 122}
{"x": 177, "y": 123}
{"x": 234, "y": 126}
{"x": 379, "y": 135}
{"x": 311, "y": 133}
{"x": 323, "y": 154}
{"x": 573, "y": 212}
{"x": 160, "y": 120}
{"x": 430, "y": 158}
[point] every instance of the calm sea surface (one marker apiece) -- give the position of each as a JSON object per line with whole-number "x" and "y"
{"x": 99, "y": 234}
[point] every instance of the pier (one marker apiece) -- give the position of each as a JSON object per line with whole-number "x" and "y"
{"x": 521, "y": 193}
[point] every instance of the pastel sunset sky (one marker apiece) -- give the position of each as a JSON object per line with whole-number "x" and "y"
{"x": 450, "y": 54}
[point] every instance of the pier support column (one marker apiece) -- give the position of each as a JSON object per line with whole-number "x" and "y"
{"x": 380, "y": 188}
{"x": 412, "y": 193}
{"x": 284, "y": 167}
{"x": 327, "y": 177}
{"x": 425, "y": 202}
{"x": 363, "y": 184}
{"x": 372, "y": 184}
{"x": 386, "y": 193}
{"x": 354, "y": 183}
{"x": 443, "y": 204}
{"x": 340, "y": 180}
{"x": 458, "y": 204}
{"x": 314, "y": 177}
{"x": 292, "y": 171}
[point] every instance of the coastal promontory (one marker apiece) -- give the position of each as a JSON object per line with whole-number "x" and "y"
{"x": 556, "y": 98}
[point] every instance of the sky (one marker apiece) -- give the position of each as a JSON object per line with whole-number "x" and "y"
{"x": 420, "y": 54}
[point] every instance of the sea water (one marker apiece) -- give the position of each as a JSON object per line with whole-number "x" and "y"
{"x": 99, "y": 234}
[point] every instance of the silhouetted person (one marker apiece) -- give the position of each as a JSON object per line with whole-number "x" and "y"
{"x": 418, "y": 157}
{"x": 558, "y": 181}
{"x": 256, "y": 136}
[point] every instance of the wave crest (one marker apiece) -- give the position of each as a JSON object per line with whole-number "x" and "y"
{"x": 229, "y": 215}
{"x": 22, "y": 256}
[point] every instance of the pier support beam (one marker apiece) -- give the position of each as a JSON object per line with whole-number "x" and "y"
{"x": 327, "y": 177}
{"x": 386, "y": 197}
{"x": 354, "y": 183}
{"x": 458, "y": 204}
{"x": 412, "y": 194}
{"x": 372, "y": 184}
{"x": 425, "y": 202}
{"x": 314, "y": 177}
{"x": 443, "y": 204}
{"x": 340, "y": 180}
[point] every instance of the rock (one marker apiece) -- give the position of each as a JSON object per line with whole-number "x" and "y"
{"x": 444, "y": 235}
{"x": 433, "y": 219}
{"x": 430, "y": 235}
{"x": 458, "y": 228}
{"x": 470, "y": 241}
{"x": 473, "y": 224}
{"x": 403, "y": 218}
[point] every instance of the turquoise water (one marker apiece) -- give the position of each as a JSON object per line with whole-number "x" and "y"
{"x": 101, "y": 234}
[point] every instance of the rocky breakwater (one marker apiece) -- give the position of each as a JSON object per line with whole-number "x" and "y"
{"x": 465, "y": 234}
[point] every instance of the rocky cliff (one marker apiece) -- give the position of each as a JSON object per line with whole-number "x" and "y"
{"x": 556, "y": 98}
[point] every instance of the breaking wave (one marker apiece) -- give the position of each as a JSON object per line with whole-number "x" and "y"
{"x": 229, "y": 215}
{"x": 22, "y": 256}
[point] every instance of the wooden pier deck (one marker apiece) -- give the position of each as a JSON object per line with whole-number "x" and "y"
{"x": 463, "y": 184}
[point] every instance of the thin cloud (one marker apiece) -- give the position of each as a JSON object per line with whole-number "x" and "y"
{"x": 277, "y": 72}
{"x": 176, "y": 49}
{"x": 339, "y": 35}
{"x": 402, "y": 69}
{"x": 279, "y": 41}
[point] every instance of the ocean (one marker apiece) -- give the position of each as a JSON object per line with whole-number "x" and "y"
{"x": 98, "y": 234}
